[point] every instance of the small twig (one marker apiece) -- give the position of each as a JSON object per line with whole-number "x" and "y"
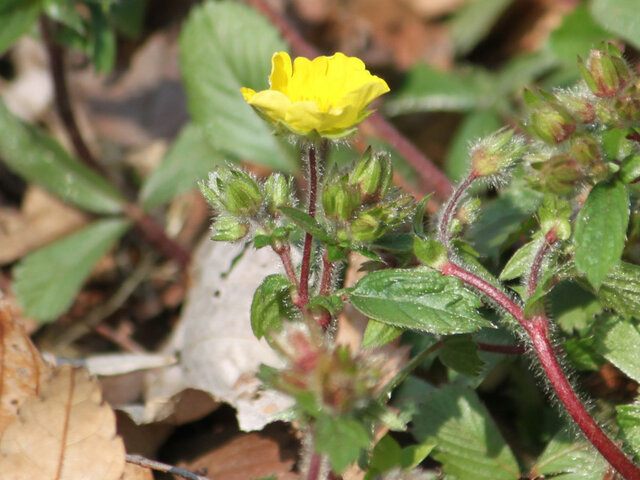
{"x": 432, "y": 178}
{"x": 150, "y": 230}
{"x": 120, "y": 338}
{"x": 62, "y": 99}
{"x": 538, "y": 260}
{"x": 108, "y": 308}
{"x": 164, "y": 467}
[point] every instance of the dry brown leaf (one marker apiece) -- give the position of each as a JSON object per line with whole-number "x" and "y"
{"x": 22, "y": 369}
{"x": 136, "y": 472}
{"x": 42, "y": 219}
{"x": 66, "y": 432}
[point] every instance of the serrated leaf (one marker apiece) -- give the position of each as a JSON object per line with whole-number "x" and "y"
{"x": 17, "y": 18}
{"x": 621, "y": 290}
{"x": 571, "y": 458}
{"x": 577, "y": 34}
{"x": 520, "y": 262}
{"x": 224, "y": 46}
{"x": 306, "y": 222}
{"x": 429, "y": 89}
{"x": 271, "y": 304}
{"x": 617, "y": 17}
{"x": 473, "y": 21}
{"x": 47, "y": 280}
{"x": 572, "y": 307}
{"x": 38, "y": 158}
{"x": 342, "y": 439}
{"x": 420, "y": 299}
{"x": 378, "y": 334}
{"x": 502, "y": 217}
{"x": 600, "y": 230}
{"x": 191, "y": 158}
{"x": 460, "y": 353}
{"x": 474, "y": 126}
{"x": 628, "y": 419}
{"x": 469, "y": 445}
{"x": 581, "y": 353}
{"x": 617, "y": 340}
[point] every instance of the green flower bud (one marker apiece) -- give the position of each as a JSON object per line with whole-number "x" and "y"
{"x": 578, "y": 105}
{"x": 366, "y": 228}
{"x": 586, "y": 150}
{"x": 605, "y": 73}
{"x": 469, "y": 211}
{"x": 497, "y": 152}
{"x": 278, "y": 191}
{"x": 551, "y": 122}
{"x": 373, "y": 175}
{"x": 630, "y": 169}
{"x": 229, "y": 229}
{"x": 560, "y": 174}
{"x": 340, "y": 201}
{"x": 242, "y": 194}
{"x": 232, "y": 191}
{"x": 628, "y": 108}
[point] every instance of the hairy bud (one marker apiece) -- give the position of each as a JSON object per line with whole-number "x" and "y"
{"x": 605, "y": 72}
{"x": 373, "y": 175}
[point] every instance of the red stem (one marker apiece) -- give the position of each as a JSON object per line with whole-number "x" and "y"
{"x": 327, "y": 275}
{"x": 303, "y": 293}
{"x": 315, "y": 462}
{"x": 284, "y": 252}
{"x": 450, "y": 208}
{"x": 432, "y": 178}
{"x": 538, "y": 329}
{"x": 536, "y": 266}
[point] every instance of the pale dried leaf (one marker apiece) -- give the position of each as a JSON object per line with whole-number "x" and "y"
{"x": 136, "y": 472}
{"x": 42, "y": 219}
{"x": 22, "y": 369}
{"x": 66, "y": 432}
{"x": 218, "y": 351}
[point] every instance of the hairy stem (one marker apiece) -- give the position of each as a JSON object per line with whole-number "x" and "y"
{"x": 538, "y": 330}
{"x": 450, "y": 209}
{"x": 536, "y": 266}
{"x": 313, "y": 157}
{"x": 284, "y": 252}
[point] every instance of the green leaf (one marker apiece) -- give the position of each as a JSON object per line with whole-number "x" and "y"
{"x": 475, "y": 125}
{"x": 617, "y": 340}
{"x": 460, "y": 353}
{"x": 428, "y": 89}
{"x": 577, "y": 34}
{"x": 224, "y": 46}
{"x": 271, "y": 304}
{"x": 388, "y": 454}
{"x": 469, "y": 445}
{"x": 628, "y": 419}
{"x": 342, "y": 439}
{"x": 17, "y": 18}
{"x": 573, "y": 308}
{"x": 520, "y": 262}
{"x": 378, "y": 334}
{"x": 618, "y": 16}
{"x": 473, "y": 22}
{"x": 600, "y": 230}
{"x": 129, "y": 16}
{"x": 571, "y": 458}
{"x": 502, "y": 217}
{"x": 38, "y": 158}
{"x": 581, "y": 353}
{"x": 420, "y": 299}
{"x": 103, "y": 39}
{"x": 47, "y": 280}
{"x": 620, "y": 290}
{"x": 190, "y": 159}
{"x": 306, "y": 222}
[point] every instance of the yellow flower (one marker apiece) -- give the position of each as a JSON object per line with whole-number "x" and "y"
{"x": 326, "y": 96}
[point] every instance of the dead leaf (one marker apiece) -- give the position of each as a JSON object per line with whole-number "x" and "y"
{"x": 66, "y": 432}
{"x": 136, "y": 472}
{"x": 218, "y": 351}
{"x": 42, "y": 219}
{"x": 245, "y": 455}
{"x": 22, "y": 369}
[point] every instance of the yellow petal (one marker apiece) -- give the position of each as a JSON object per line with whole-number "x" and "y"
{"x": 362, "y": 96}
{"x": 247, "y": 93}
{"x": 272, "y": 103}
{"x": 280, "y": 71}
